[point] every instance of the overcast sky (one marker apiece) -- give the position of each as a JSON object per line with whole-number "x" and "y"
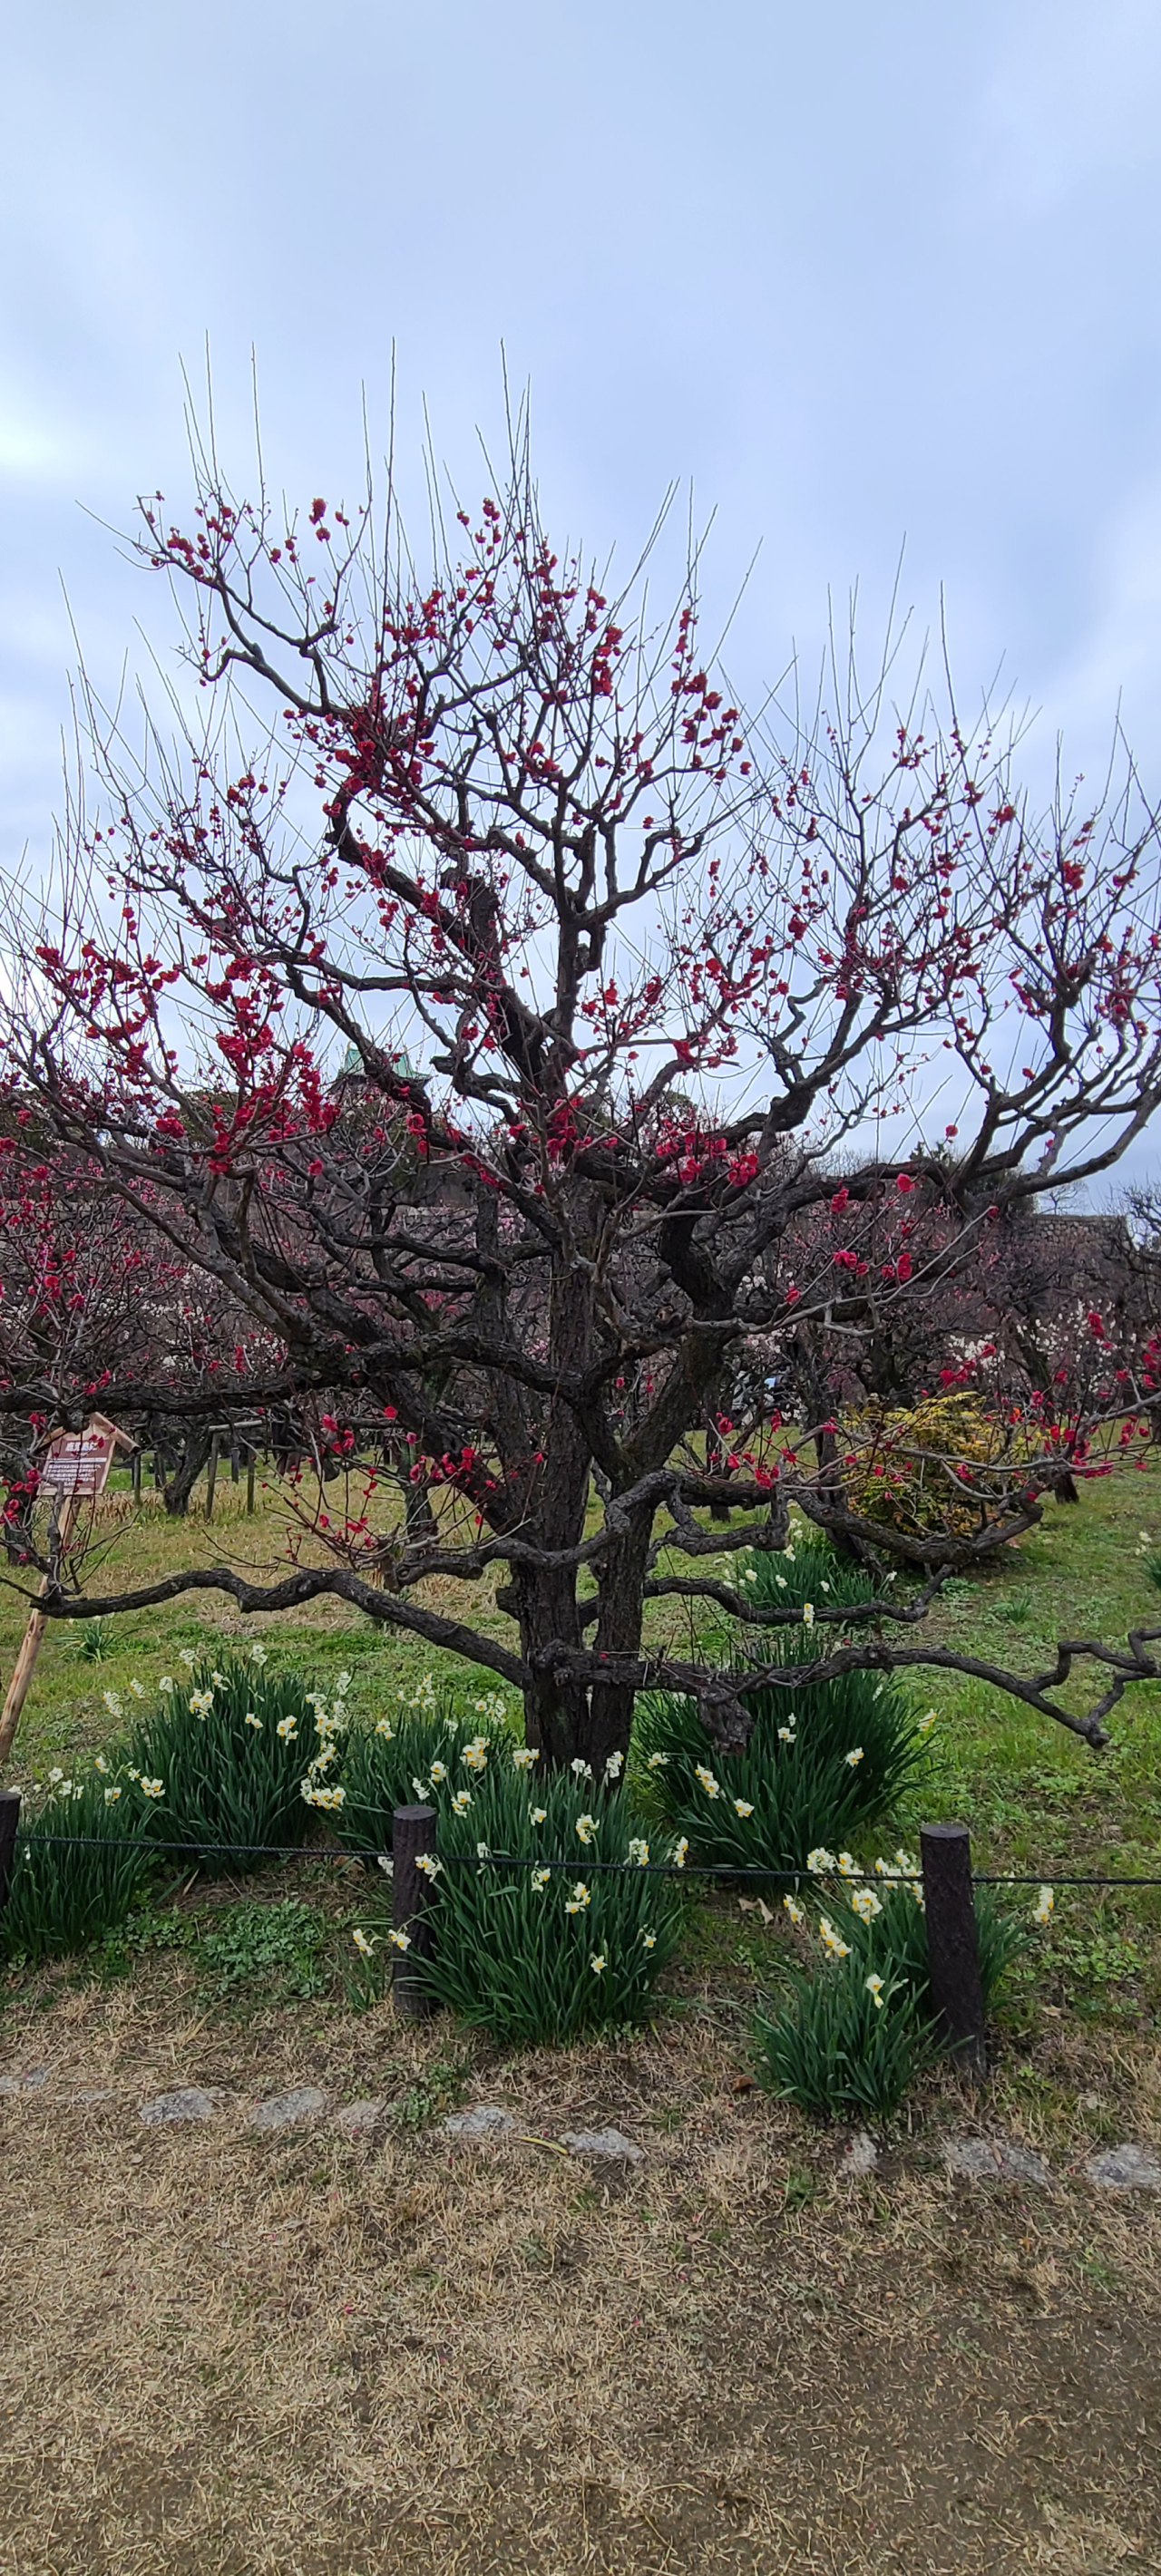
{"x": 865, "y": 278}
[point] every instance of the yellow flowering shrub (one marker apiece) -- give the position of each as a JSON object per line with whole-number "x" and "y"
{"x": 929, "y": 1467}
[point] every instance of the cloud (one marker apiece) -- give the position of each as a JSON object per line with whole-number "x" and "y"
{"x": 1070, "y": 102}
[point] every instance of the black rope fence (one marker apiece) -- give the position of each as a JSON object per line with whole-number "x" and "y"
{"x": 581, "y": 1861}
{"x": 944, "y": 1872}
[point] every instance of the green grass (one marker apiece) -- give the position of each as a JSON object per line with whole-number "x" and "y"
{"x": 65, "y": 1713}
{"x": 1035, "y": 1798}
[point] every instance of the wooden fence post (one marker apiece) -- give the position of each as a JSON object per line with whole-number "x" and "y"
{"x": 413, "y": 1839}
{"x": 135, "y": 1474}
{"x": 9, "y": 1820}
{"x": 953, "y": 1950}
{"x": 251, "y": 1464}
{"x": 212, "y": 1476}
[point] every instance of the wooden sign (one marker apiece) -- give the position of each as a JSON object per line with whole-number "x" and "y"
{"x": 77, "y": 1462}
{"x": 74, "y": 1466}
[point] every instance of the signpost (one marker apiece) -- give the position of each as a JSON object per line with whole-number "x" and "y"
{"x": 74, "y": 1467}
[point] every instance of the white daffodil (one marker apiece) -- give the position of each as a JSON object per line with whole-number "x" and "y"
{"x": 743, "y": 1807}
{"x": 708, "y": 1782}
{"x": 328, "y": 1801}
{"x": 362, "y": 1943}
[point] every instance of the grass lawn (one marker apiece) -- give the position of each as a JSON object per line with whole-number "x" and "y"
{"x": 316, "y": 2352}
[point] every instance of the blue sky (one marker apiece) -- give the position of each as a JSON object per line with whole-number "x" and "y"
{"x": 864, "y": 278}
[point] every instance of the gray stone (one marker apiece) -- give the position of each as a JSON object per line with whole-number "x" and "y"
{"x": 1125, "y": 2169}
{"x": 356, "y": 2118}
{"x": 600, "y": 2142}
{"x": 284, "y": 2110}
{"x": 94, "y": 2093}
{"x": 187, "y": 2103}
{"x": 994, "y": 2160}
{"x": 30, "y": 2082}
{"x": 862, "y": 2154}
{"x": 484, "y": 2120}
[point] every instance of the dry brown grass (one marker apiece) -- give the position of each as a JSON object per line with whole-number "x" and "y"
{"x": 298, "y": 2355}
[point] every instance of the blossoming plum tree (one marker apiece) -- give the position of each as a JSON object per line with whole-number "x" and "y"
{"x": 508, "y": 1030}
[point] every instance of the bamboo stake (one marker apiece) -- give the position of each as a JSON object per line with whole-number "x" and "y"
{"x": 26, "y": 1660}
